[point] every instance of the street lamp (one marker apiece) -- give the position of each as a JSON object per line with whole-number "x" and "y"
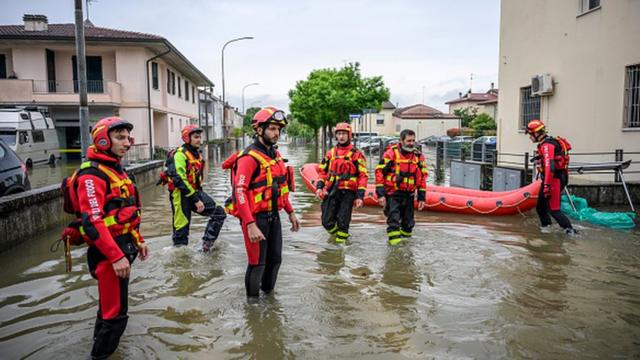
{"x": 244, "y": 87}
{"x": 224, "y": 99}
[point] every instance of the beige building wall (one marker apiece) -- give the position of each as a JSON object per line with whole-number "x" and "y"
{"x": 586, "y": 55}
{"x": 428, "y": 127}
{"x": 29, "y": 62}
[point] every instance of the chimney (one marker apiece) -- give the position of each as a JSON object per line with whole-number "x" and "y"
{"x": 35, "y": 22}
{"x": 460, "y": 94}
{"x": 491, "y": 86}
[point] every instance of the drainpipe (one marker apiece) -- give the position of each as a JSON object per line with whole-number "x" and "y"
{"x": 149, "y": 100}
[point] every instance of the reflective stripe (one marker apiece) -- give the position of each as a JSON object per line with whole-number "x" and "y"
{"x": 405, "y": 233}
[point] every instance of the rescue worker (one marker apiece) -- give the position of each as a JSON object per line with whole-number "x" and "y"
{"x": 342, "y": 180}
{"x": 260, "y": 190}
{"x": 401, "y": 173}
{"x": 185, "y": 174}
{"x": 552, "y": 164}
{"x": 108, "y": 208}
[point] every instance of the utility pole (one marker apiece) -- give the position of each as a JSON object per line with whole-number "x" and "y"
{"x": 82, "y": 79}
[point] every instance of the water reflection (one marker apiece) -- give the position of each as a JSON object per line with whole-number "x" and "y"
{"x": 462, "y": 287}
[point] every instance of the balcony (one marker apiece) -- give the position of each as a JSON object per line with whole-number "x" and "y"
{"x": 58, "y": 91}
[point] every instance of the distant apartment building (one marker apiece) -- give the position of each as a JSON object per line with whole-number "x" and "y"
{"x": 479, "y": 103}
{"x": 425, "y": 120}
{"x": 211, "y": 115}
{"x": 159, "y": 96}
{"x": 576, "y": 66}
{"x": 380, "y": 122}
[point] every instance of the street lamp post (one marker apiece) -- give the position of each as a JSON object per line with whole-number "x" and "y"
{"x": 224, "y": 99}
{"x": 244, "y": 87}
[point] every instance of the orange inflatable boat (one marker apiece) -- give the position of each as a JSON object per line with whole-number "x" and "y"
{"x": 453, "y": 199}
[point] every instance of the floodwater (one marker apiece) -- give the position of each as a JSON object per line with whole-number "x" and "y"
{"x": 462, "y": 287}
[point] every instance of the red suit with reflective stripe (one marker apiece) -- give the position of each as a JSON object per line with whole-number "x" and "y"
{"x": 260, "y": 190}
{"x": 109, "y": 210}
{"x": 401, "y": 171}
{"x": 398, "y": 176}
{"x": 553, "y": 167}
{"x": 344, "y": 167}
{"x": 343, "y": 174}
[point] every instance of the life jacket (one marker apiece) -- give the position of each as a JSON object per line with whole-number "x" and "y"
{"x": 560, "y": 157}
{"x": 121, "y": 207}
{"x": 342, "y": 170}
{"x": 195, "y": 166}
{"x": 401, "y": 173}
{"x": 268, "y": 188}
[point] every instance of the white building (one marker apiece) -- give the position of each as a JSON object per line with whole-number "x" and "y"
{"x": 37, "y": 67}
{"x": 591, "y": 51}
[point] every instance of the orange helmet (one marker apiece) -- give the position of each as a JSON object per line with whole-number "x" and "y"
{"x": 343, "y": 126}
{"x": 100, "y": 132}
{"x": 187, "y": 131}
{"x": 535, "y": 126}
{"x": 269, "y": 115}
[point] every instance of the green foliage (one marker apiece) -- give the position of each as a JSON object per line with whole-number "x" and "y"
{"x": 237, "y": 132}
{"x": 328, "y": 96}
{"x": 246, "y": 121}
{"x": 299, "y": 130}
{"x": 482, "y": 123}
{"x": 466, "y": 115}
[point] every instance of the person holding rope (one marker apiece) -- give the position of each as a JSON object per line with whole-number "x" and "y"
{"x": 401, "y": 173}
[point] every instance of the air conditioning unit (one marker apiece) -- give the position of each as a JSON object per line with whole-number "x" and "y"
{"x": 541, "y": 85}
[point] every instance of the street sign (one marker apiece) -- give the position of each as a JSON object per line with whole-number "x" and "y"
{"x": 354, "y": 116}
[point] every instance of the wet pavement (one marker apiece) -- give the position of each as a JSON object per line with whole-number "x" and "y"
{"x": 462, "y": 287}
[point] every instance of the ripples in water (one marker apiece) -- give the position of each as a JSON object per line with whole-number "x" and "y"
{"x": 462, "y": 287}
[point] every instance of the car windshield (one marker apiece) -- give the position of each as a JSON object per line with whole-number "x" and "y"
{"x": 9, "y": 136}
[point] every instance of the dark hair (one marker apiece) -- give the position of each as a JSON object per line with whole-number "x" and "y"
{"x": 406, "y": 132}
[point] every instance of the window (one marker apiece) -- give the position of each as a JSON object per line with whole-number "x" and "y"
{"x": 168, "y": 81}
{"x": 529, "y": 107}
{"x": 380, "y": 119}
{"x": 398, "y": 128}
{"x": 8, "y": 136}
{"x": 23, "y": 137}
{"x": 179, "y": 87}
{"x": 186, "y": 90}
{"x": 38, "y": 136}
{"x": 632, "y": 97}
{"x": 193, "y": 94}
{"x": 180, "y": 124}
{"x": 154, "y": 75}
{"x": 171, "y": 121}
{"x": 588, "y": 5}
{"x": 3, "y": 67}
{"x": 173, "y": 83}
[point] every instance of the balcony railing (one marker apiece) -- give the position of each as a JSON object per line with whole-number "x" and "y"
{"x": 67, "y": 86}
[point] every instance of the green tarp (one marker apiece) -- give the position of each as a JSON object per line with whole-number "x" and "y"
{"x": 614, "y": 220}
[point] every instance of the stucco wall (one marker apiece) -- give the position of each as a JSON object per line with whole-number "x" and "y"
{"x": 586, "y": 55}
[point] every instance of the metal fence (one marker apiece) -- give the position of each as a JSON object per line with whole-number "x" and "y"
{"x": 67, "y": 86}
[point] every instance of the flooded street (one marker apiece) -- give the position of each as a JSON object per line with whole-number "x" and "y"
{"x": 462, "y": 287}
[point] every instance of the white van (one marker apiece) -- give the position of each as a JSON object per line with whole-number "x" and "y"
{"x": 30, "y": 134}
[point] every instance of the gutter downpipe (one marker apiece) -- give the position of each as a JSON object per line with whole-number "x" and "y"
{"x": 149, "y": 100}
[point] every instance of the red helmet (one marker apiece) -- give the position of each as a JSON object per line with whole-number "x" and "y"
{"x": 269, "y": 115}
{"x": 535, "y": 126}
{"x": 187, "y": 131}
{"x": 100, "y": 132}
{"x": 343, "y": 126}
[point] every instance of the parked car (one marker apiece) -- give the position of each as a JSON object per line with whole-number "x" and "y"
{"x": 433, "y": 139}
{"x": 13, "y": 172}
{"x": 463, "y": 138}
{"x": 31, "y": 134}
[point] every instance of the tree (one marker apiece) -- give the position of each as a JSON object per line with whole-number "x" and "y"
{"x": 328, "y": 96}
{"x": 466, "y": 115}
{"x": 297, "y": 129}
{"x": 482, "y": 122}
{"x": 248, "y": 116}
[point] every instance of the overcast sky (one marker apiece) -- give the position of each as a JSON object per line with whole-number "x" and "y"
{"x": 424, "y": 44}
